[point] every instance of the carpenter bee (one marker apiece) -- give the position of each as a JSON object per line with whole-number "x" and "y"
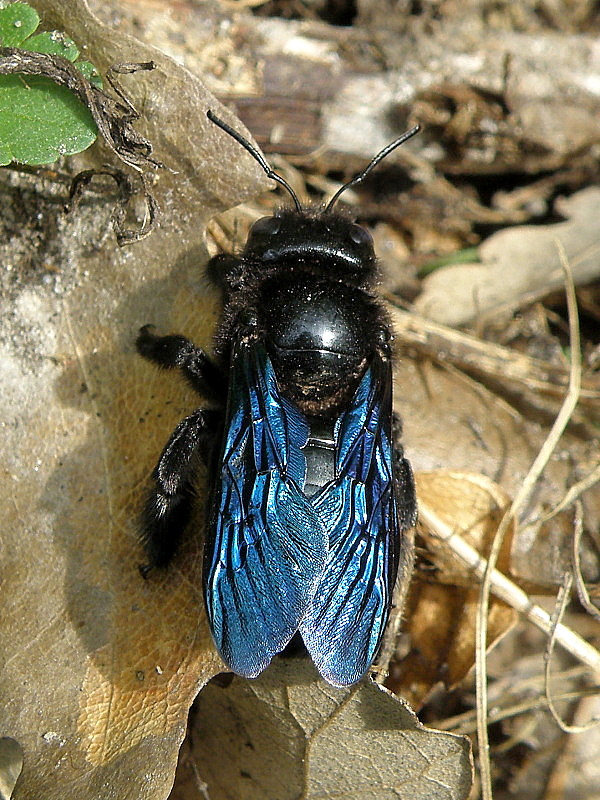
{"x": 311, "y": 496}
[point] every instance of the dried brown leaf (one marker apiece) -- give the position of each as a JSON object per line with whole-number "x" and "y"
{"x": 442, "y": 607}
{"x": 517, "y": 265}
{"x": 453, "y": 423}
{"x": 99, "y": 666}
{"x": 473, "y": 506}
{"x": 173, "y": 104}
{"x": 11, "y": 764}
{"x": 288, "y": 734}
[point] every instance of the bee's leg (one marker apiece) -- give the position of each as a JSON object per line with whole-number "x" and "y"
{"x": 169, "y": 503}
{"x": 407, "y": 512}
{"x": 177, "y": 352}
{"x": 404, "y": 479}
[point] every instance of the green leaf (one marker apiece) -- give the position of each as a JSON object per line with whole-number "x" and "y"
{"x": 469, "y": 255}
{"x": 89, "y": 71}
{"x": 5, "y": 156}
{"x": 40, "y": 120}
{"x": 17, "y": 22}
{"x": 54, "y": 43}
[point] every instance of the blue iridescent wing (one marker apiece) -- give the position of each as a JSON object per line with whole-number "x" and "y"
{"x": 360, "y": 508}
{"x": 266, "y": 546}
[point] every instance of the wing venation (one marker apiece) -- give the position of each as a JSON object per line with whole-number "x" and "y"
{"x": 267, "y": 545}
{"x": 347, "y": 616}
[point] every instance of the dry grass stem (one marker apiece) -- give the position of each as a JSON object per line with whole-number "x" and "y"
{"x": 561, "y": 603}
{"x": 538, "y": 466}
{"x": 466, "y": 724}
{"x": 582, "y": 592}
{"x": 574, "y": 492}
{"x": 508, "y": 591}
{"x": 486, "y": 358}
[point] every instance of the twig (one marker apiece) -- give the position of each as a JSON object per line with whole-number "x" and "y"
{"x": 508, "y": 591}
{"x": 466, "y": 723}
{"x": 447, "y": 345}
{"x": 574, "y": 492}
{"x": 582, "y": 592}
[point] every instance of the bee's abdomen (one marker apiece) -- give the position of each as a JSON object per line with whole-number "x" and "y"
{"x": 320, "y": 456}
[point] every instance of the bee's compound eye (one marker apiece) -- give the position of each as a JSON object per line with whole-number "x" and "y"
{"x": 360, "y": 235}
{"x": 266, "y": 226}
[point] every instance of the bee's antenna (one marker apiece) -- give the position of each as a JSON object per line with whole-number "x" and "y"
{"x": 379, "y": 157}
{"x": 256, "y": 155}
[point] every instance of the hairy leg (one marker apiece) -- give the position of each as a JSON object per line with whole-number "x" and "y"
{"x": 177, "y": 352}
{"x": 403, "y": 477}
{"x": 169, "y": 503}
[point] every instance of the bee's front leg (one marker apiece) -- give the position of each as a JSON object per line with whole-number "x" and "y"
{"x": 176, "y": 352}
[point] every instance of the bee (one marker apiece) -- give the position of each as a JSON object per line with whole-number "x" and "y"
{"x": 311, "y": 496}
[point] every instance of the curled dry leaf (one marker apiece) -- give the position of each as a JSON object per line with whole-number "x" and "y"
{"x": 113, "y": 116}
{"x": 473, "y": 506}
{"x": 287, "y": 734}
{"x": 519, "y": 264}
{"x": 442, "y": 607}
{"x": 173, "y": 118}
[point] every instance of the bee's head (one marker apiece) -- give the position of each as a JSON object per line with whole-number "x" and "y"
{"x": 319, "y": 238}
{"x": 320, "y": 241}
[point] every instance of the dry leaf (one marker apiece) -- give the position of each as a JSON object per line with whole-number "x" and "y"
{"x": 288, "y": 734}
{"x": 453, "y": 423}
{"x": 442, "y": 608}
{"x": 517, "y": 263}
{"x": 11, "y": 764}
{"x": 173, "y": 105}
{"x": 101, "y": 666}
{"x": 473, "y": 506}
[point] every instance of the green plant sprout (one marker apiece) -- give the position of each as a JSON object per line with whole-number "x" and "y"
{"x": 39, "y": 119}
